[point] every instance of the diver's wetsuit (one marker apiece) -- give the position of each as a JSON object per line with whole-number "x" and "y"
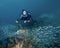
{"x": 26, "y": 18}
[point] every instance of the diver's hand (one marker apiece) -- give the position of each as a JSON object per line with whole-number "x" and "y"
{"x": 25, "y": 21}
{"x": 17, "y": 21}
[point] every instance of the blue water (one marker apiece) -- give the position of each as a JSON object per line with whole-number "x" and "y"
{"x": 50, "y": 9}
{"x": 45, "y": 12}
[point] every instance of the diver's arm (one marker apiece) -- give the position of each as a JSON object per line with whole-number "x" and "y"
{"x": 21, "y": 16}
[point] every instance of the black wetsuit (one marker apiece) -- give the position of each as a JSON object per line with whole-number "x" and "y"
{"x": 26, "y": 18}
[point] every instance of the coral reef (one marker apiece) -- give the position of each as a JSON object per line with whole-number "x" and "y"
{"x": 36, "y": 37}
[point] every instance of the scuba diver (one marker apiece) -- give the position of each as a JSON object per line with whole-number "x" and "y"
{"x": 25, "y": 20}
{"x": 25, "y": 17}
